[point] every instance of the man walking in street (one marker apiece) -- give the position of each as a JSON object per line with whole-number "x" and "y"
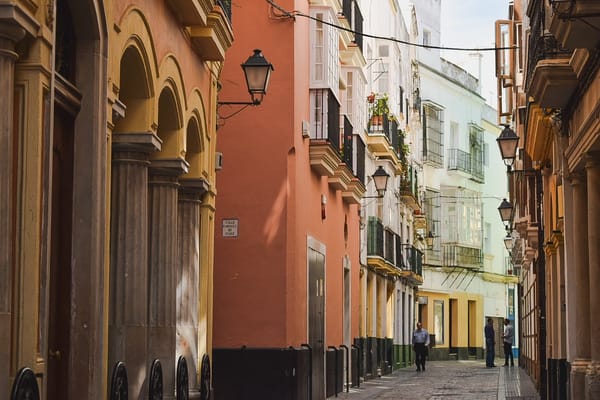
{"x": 420, "y": 342}
{"x": 508, "y": 336}
{"x": 490, "y": 342}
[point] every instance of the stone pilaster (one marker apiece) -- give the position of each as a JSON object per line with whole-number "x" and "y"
{"x": 9, "y": 35}
{"x": 188, "y": 275}
{"x": 580, "y": 271}
{"x": 163, "y": 188}
{"x": 593, "y": 200}
{"x": 128, "y": 312}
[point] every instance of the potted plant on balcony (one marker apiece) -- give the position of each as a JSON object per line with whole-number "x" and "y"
{"x": 379, "y": 106}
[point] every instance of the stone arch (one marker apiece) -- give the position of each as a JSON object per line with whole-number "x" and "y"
{"x": 171, "y": 104}
{"x": 194, "y": 146}
{"x": 170, "y": 124}
{"x": 136, "y": 73}
{"x": 197, "y": 130}
{"x": 135, "y": 93}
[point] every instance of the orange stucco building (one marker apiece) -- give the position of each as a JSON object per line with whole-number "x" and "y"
{"x": 287, "y": 220}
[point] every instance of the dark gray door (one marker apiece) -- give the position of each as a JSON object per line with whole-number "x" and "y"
{"x": 316, "y": 321}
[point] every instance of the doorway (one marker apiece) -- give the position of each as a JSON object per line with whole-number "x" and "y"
{"x": 316, "y": 320}
{"x": 60, "y": 256}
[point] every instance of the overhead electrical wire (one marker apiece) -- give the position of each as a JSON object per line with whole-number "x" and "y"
{"x": 294, "y": 14}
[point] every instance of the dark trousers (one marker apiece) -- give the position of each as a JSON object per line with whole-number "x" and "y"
{"x": 420, "y": 354}
{"x": 489, "y": 353}
{"x": 508, "y": 354}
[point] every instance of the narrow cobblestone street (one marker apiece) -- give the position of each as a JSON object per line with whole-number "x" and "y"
{"x": 461, "y": 380}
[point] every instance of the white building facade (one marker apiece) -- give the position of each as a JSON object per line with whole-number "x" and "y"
{"x": 466, "y": 278}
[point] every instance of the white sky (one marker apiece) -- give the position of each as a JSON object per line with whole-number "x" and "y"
{"x": 470, "y": 23}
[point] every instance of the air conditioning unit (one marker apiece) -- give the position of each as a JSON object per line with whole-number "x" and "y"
{"x": 218, "y": 161}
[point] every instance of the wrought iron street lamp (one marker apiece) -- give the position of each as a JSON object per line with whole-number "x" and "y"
{"x": 506, "y": 211}
{"x": 380, "y": 179}
{"x": 257, "y": 71}
{"x": 509, "y": 242}
{"x": 508, "y": 142}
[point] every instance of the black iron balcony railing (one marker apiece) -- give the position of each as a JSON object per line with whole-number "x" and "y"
{"x": 409, "y": 188}
{"x": 358, "y": 26}
{"x": 542, "y": 45}
{"x": 327, "y": 124}
{"x": 333, "y": 120}
{"x": 409, "y": 185}
{"x": 375, "y": 237}
{"x": 226, "y": 6}
{"x": 387, "y": 127}
{"x": 395, "y": 137}
{"x": 413, "y": 260}
{"x": 459, "y": 160}
{"x": 347, "y": 6}
{"x": 389, "y": 245}
{"x": 361, "y": 150}
{"x": 461, "y": 256}
{"x": 399, "y": 255}
{"x": 384, "y": 243}
{"x": 347, "y": 143}
{"x": 471, "y": 163}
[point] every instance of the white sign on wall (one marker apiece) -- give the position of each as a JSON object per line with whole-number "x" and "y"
{"x": 230, "y": 227}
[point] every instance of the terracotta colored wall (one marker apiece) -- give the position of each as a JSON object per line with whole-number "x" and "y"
{"x": 267, "y": 182}
{"x": 250, "y": 271}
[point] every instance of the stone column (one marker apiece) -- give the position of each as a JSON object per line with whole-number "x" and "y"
{"x": 593, "y": 200}
{"x": 9, "y": 35}
{"x": 188, "y": 276}
{"x": 580, "y": 271}
{"x": 162, "y": 229}
{"x": 128, "y": 312}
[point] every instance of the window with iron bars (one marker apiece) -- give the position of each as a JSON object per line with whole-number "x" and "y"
{"x": 433, "y": 135}
{"x": 476, "y": 154}
{"x": 433, "y": 206}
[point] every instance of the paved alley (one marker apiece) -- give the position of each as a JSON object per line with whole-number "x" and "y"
{"x": 461, "y": 380}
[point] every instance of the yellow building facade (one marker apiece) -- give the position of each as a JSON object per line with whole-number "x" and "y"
{"x": 107, "y": 191}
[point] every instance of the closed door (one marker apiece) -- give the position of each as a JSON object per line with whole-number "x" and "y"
{"x": 60, "y": 256}
{"x": 316, "y": 321}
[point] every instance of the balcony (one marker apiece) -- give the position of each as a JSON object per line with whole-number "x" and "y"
{"x": 553, "y": 83}
{"x": 331, "y": 150}
{"x": 573, "y": 23}
{"x": 454, "y": 255}
{"x": 383, "y": 140}
{"x": 412, "y": 268}
{"x": 212, "y": 38}
{"x": 550, "y": 79}
{"x": 469, "y": 163}
{"x": 350, "y": 49}
{"x": 459, "y": 160}
{"x": 192, "y": 12}
{"x": 387, "y": 254}
{"x": 409, "y": 193}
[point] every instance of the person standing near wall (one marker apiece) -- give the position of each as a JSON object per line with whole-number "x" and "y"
{"x": 508, "y": 337}
{"x": 490, "y": 342}
{"x": 420, "y": 342}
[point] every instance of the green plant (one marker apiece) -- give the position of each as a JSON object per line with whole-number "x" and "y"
{"x": 380, "y": 105}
